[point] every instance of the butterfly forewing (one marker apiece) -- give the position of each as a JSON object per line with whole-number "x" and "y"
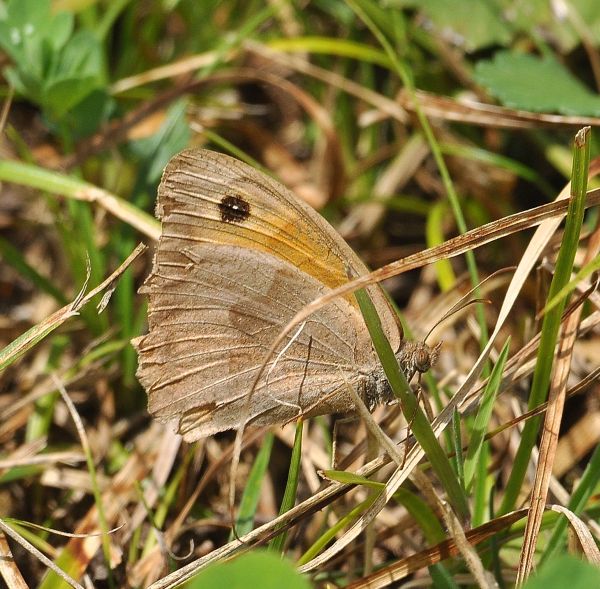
{"x": 238, "y": 257}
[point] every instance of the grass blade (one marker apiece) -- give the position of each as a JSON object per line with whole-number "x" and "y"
{"x": 249, "y": 502}
{"x": 410, "y": 407}
{"x": 551, "y": 322}
{"x": 291, "y": 487}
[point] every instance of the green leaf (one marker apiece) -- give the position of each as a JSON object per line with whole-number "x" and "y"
{"x": 350, "y": 478}
{"x": 52, "y": 66}
{"x": 30, "y": 23}
{"x": 63, "y": 95}
{"x": 156, "y": 151}
{"x": 88, "y": 114}
{"x": 256, "y": 569}
{"x": 468, "y": 24}
{"x": 422, "y": 514}
{"x": 61, "y": 29}
{"x": 29, "y": 13}
{"x": 539, "y": 84}
{"x": 83, "y": 56}
{"x": 565, "y": 571}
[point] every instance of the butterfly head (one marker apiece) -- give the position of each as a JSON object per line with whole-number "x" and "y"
{"x": 417, "y": 357}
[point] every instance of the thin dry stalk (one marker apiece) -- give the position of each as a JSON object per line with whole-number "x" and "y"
{"x": 488, "y": 115}
{"x": 446, "y": 549}
{"x": 299, "y": 64}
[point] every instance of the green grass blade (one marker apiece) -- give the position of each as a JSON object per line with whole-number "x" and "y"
{"x": 434, "y": 230}
{"x": 432, "y": 530}
{"x": 33, "y": 335}
{"x": 410, "y": 407}
{"x": 351, "y": 478}
{"x": 13, "y": 256}
{"x": 332, "y": 46}
{"x": 291, "y": 487}
{"x": 249, "y": 502}
{"x": 331, "y": 533}
{"x": 551, "y": 322}
{"x": 423, "y": 514}
{"x": 365, "y": 10}
{"x": 73, "y": 188}
{"x": 458, "y": 460}
{"x": 483, "y": 416}
{"x": 583, "y": 273}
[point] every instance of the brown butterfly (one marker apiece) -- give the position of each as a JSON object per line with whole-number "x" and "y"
{"x": 238, "y": 257}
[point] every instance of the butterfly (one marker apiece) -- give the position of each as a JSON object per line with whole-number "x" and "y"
{"x": 239, "y": 255}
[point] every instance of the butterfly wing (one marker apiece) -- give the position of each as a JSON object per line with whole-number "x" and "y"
{"x": 208, "y": 197}
{"x": 239, "y": 255}
{"x": 211, "y": 323}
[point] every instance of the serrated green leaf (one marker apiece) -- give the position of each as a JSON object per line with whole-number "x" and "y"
{"x": 539, "y": 84}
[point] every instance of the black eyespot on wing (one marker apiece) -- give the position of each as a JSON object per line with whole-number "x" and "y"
{"x": 234, "y": 209}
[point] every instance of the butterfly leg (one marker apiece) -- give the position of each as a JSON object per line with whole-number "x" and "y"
{"x": 337, "y": 424}
{"x": 280, "y": 355}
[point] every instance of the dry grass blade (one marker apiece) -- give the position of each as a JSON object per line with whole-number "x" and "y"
{"x": 382, "y": 103}
{"x": 457, "y": 533}
{"x": 373, "y": 427}
{"x": 446, "y": 549}
{"x": 321, "y": 117}
{"x": 31, "y": 337}
{"x": 146, "y": 563}
{"x": 364, "y": 218}
{"x": 66, "y": 457}
{"x": 263, "y": 533}
{"x": 121, "y": 209}
{"x": 9, "y": 570}
{"x": 188, "y": 65}
{"x": 548, "y": 443}
{"x": 80, "y": 550}
{"x": 399, "y": 476}
{"x": 489, "y": 115}
{"x": 584, "y": 536}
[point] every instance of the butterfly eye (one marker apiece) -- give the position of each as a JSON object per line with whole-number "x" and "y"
{"x": 422, "y": 360}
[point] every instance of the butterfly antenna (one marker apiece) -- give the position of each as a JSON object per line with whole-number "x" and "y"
{"x": 464, "y": 303}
